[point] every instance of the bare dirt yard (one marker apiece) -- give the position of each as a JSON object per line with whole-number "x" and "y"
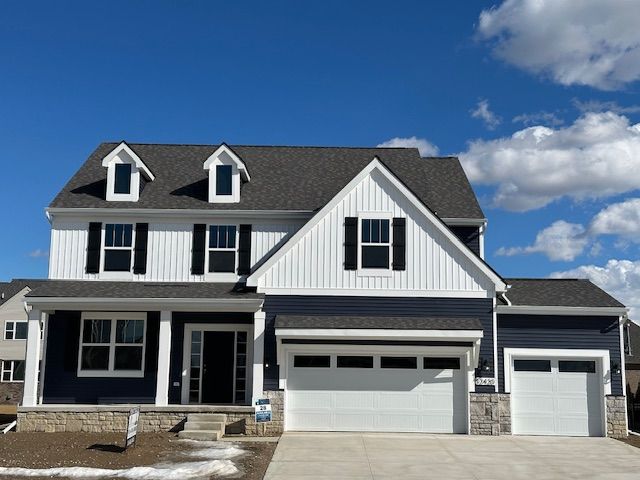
{"x": 156, "y": 455}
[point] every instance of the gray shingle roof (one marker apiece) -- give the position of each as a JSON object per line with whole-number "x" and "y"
{"x": 396, "y": 323}
{"x": 558, "y": 293}
{"x": 92, "y": 289}
{"x": 12, "y": 288}
{"x": 282, "y": 178}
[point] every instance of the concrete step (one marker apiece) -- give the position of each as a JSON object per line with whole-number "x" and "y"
{"x": 206, "y": 417}
{"x": 200, "y": 435}
{"x": 212, "y": 426}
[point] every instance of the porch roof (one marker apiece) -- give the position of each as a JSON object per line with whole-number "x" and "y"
{"x": 390, "y": 323}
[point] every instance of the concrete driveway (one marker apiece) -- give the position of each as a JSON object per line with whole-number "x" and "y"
{"x": 366, "y": 456}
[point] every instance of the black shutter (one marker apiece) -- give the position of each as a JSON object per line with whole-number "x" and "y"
{"x": 197, "y": 250}
{"x": 140, "y": 249}
{"x": 244, "y": 250}
{"x": 93, "y": 247}
{"x": 399, "y": 243}
{"x": 350, "y": 243}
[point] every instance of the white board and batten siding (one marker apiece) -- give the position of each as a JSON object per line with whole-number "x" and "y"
{"x": 434, "y": 265}
{"x": 168, "y": 249}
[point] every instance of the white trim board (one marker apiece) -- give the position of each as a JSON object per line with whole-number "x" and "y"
{"x": 367, "y": 333}
{"x": 377, "y": 165}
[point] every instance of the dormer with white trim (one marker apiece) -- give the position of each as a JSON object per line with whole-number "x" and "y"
{"x": 124, "y": 168}
{"x": 226, "y": 173}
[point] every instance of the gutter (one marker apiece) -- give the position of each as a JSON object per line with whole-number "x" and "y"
{"x": 176, "y": 212}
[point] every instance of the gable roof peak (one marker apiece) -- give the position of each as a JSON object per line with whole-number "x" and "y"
{"x": 133, "y": 156}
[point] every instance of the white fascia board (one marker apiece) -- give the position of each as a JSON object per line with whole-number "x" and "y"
{"x": 138, "y": 161}
{"x": 224, "y": 148}
{"x": 371, "y": 292}
{"x": 144, "y": 304}
{"x": 377, "y": 333}
{"x": 551, "y": 310}
{"x": 167, "y": 213}
{"x": 376, "y": 164}
{"x": 465, "y": 222}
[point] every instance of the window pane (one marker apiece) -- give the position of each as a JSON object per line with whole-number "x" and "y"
{"x": 375, "y": 257}
{"x": 129, "y": 331}
{"x": 6, "y": 376}
{"x": 128, "y": 358}
{"x": 95, "y": 358}
{"x": 532, "y": 365}
{"x": 118, "y": 229}
{"x": 581, "y": 366}
{"x": 354, "y": 361}
{"x": 398, "y": 362}
{"x": 18, "y": 371}
{"x": 231, "y": 232}
{"x": 96, "y": 331}
{"x": 222, "y": 236}
{"x": 123, "y": 178}
{"x": 223, "y": 180}
{"x": 384, "y": 231}
{"x": 21, "y": 331}
{"x": 375, "y": 231}
{"x": 128, "y": 235}
{"x": 117, "y": 260}
{"x": 213, "y": 236}
{"x": 108, "y": 235}
{"x": 366, "y": 231}
{"x": 311, "y": 361}
{"x": 222, "y": 261}
{"x": 441, "y": 363}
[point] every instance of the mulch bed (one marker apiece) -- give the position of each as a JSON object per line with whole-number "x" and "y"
{"x": 104, "y": 450}
{"x": 633, "y": 440}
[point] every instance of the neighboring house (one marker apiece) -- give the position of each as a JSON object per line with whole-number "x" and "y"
{"x": 346, "y": 285}
{"x": 13, "y": 338}
{"x": 632, "y": 366}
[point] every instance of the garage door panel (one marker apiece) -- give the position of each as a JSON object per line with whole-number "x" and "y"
{"x": 398, "y": 401}
{"x": 353, "y": 400}
{"x": 354, "y": 421}
{"x": 310, "y": 400}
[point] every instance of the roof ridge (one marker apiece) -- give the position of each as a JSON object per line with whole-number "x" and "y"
{"x": 548, "y": 279}
{"x": 265, "y": 146}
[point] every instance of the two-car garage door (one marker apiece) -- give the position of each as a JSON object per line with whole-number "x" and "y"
{"x": 385, "y": 393}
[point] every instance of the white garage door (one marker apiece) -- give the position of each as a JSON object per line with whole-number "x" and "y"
{"x": 556, "y": 397}
{"x": 376, "y": 393}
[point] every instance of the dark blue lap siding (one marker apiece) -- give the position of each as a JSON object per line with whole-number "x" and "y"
{"x": 62, "y": 384}
{"x": 560, "y": 332}
{"x": 374, "y": 306}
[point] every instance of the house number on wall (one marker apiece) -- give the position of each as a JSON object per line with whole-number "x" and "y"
{"x": 485, "y": 381}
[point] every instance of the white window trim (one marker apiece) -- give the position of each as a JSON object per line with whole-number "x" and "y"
{"x": 11, "y": 370}
{"x": 113, "y": 317}
{"x": 120, "y": 155}
{"x": 374, "y": 272}
{"x": 110, "y": 275}
{"x": 221, "y": 276}
{"x": 602, "y": 356}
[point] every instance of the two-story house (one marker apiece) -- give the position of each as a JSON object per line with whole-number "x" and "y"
{"x": 347, "y": 285}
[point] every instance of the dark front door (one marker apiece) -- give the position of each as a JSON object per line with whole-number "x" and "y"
{"x": 217, "y": 367}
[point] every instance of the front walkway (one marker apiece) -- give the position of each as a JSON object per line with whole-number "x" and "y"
{"x": 315, "y": 456}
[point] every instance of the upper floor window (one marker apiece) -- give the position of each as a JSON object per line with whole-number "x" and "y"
{"x": 118, "y": 247}
{"x": 222, "y": 248}
{"x": 15, "y": 330}
{"x": 224, "y": 177}
{"x": 375, "y": 243}
{"x": 122, "y": 181}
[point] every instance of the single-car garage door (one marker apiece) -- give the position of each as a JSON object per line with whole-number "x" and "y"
{"x": 377, "y": 393}
{"x": 555, "y": 396}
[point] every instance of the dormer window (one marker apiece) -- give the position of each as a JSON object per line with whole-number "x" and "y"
{"x": 124, "y": 171}
{"x": 226, "y": 171}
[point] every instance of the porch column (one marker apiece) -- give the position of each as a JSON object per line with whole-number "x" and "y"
{"x": 30, "y": 392}
{"x": 164, "y": 355}
{"x": 258, "y": 355}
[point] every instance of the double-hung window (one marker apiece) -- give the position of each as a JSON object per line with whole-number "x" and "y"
{"x": 15, "y": 330}
{"x": 12, "y": 371}
{"x": 118, "y": 247}
{"x": 375, "y": 243}
{"x": 222, "y": 248}
{"x": 112, "y": 344}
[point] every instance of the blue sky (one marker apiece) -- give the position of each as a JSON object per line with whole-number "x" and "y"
{"x": 74, "y": 74}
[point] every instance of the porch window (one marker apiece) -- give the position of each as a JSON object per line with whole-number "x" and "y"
{"x": 112, "y": 345}
{"x": 13, "y": 370}
{"x": 222, "y": 248}
{"x": 375, "y": 243}
{"x": 118, "y": 246}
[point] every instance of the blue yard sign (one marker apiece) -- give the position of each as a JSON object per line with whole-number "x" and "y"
{"x": 263, "y": 410}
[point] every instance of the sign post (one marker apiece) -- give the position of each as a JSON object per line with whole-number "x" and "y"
{"x": 263, "y": 410}
{"x": 132, "y": 427}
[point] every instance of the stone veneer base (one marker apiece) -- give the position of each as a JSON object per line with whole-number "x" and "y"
{"x": 616, "y": 416}
{"x": 490, "y": 413}
{"x": 113, "y": 418}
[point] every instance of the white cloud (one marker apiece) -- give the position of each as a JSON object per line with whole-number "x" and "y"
{"x": 39, "y": 253}
{"x": 560, "y": 241}
{"x": 575, "y": 42}
{"x": 548, "y": 119}
{"x": 600, "y": 106}
{"x": 620, "y": 278}
{"x": 426, "y": 148}
{"x": 484, "y": 113}
{"x": 621, "y": 219}
{"x": 595, "y": 157}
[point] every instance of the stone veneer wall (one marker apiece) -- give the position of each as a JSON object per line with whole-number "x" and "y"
{"x": 240, "y": 420}
{"x": 490, "y": 413}
{"x": 616, "y": 416}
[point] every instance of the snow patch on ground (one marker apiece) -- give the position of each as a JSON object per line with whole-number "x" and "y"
{"x": 217, "y": 463}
